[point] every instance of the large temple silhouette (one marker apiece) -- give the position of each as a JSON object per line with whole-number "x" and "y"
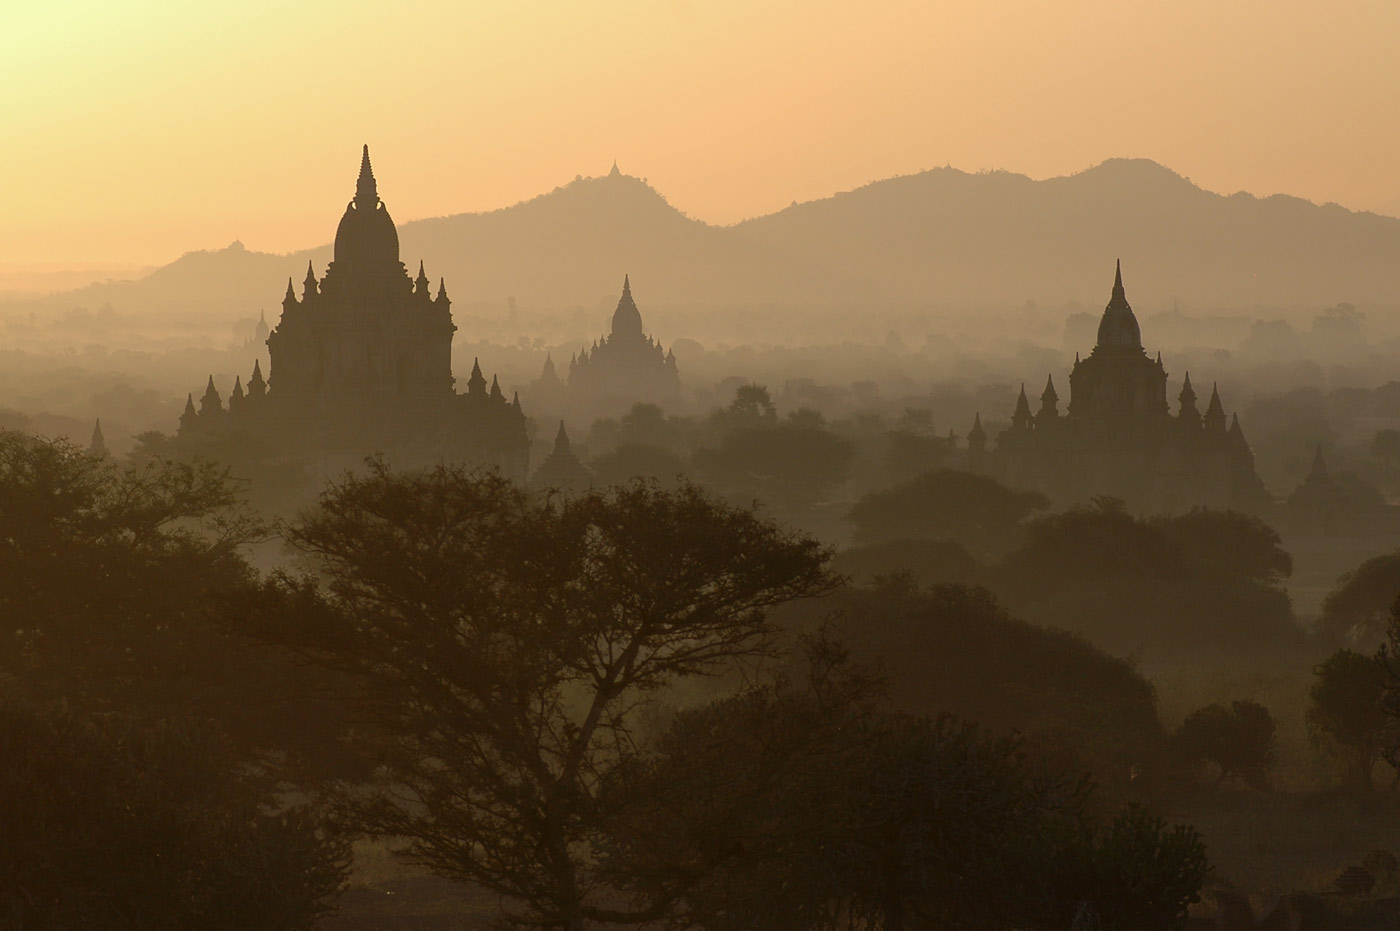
{"x": 1118, "y": 437}
{"x": 362, "y": 363}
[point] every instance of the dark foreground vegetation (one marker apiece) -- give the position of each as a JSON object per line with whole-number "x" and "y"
{"x": 644, "y": 706}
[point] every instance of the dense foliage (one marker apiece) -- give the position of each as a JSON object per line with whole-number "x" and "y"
{"x": 119, "y": 824}
{"x": 1357, "y": 609}
{"x": 1194, "y": 582}
{"x": 974, "y": 511}
{"x": 1347, "y": 713}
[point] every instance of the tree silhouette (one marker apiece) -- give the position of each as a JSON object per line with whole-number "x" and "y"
{"x": 1356, "y": 610}
{"x": 1239, "y": 740}
{"x": 118, "y": 579}
{"x": 1385, "y": 445}
{"x": 1347, "y": 713}
{"x": 820, "y": 811}
{"x": 975, "y": 511}
{"x": 124, "y": 825}
{"x": 1173, "y": 583}
{"x": 1239, "y": 545}
{"x": 788, "y": 465}
{"x": 509, "y": 642}
{"x": 638, "y": 460}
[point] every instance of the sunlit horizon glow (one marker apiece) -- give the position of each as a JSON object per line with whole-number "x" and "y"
{"x": 140, "y": 131}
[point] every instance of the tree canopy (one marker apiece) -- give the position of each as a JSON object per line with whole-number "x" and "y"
{"x": 1347, "y": 714}
{"x": 509, "y": 640}
{"x": 974, "y": 511}
{"x": 133, "y": 724}
{"x": 1180, "y": 585}
{"x": 1357, "y": 609}
{"x": 1240, "y": 740}
{"x": 115, "y": 823}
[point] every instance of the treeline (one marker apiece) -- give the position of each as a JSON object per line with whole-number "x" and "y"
{"x": 638, "y": 704}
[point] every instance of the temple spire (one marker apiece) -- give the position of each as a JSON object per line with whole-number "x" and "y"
{"x": 476, "y": 382}
{"x": 257, "y": 385}
{"x": 1188, "y": 394}
{"x": 98, "y": 445}
{"x": 627, "y": 320}
{"x": 977, "y": 437}
{"x": 366, "y": 191}
{"x": 1319, "y": 468}
{"x": 189, "y": 419}
{"x": 1048, "y": 402}
{"x": 1186, "y": 412}
{"x": 1022, "y": 418}
{"x": 1215, "y": 412}
{"x": 1118, "y": 328}
{"x": 211, "y": 405}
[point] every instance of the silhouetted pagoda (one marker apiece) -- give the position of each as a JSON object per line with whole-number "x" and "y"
{"x": 1118, "y": 438}
{"x": 362, "y": 362}
{"x": 561, "y": 469}
{"x": 625, "y": 366}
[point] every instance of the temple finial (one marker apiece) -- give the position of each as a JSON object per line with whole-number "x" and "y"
{"x": 1118, "y": 278}
{"x": 366, "y": 191}
{"x": 626, "y": 284}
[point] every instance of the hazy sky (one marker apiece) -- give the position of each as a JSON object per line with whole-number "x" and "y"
{"x": 139, "y": 130}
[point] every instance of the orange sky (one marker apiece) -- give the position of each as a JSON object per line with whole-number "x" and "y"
{"x": 137, "y": 131}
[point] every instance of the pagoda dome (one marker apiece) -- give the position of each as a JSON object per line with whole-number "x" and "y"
{"x": 366, "y": 237}
{"x": 1118, "y": 328}
{"x": 627, "y": 319}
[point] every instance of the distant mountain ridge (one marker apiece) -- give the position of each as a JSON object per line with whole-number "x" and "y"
{"x": 939, "y": 238}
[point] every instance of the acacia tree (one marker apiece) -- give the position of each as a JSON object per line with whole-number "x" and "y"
{"x": 509, "y": 640}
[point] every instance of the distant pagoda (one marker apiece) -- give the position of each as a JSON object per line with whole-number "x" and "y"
{"x": 625, "y": 366}
{"x": 1119, "y": 439}
{"x": 362, "y": 362}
